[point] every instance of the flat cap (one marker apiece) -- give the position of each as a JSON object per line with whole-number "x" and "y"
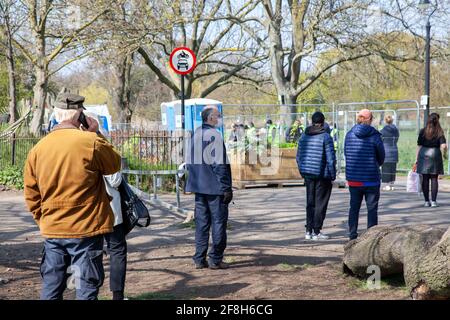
{"x": 69, "y": 101}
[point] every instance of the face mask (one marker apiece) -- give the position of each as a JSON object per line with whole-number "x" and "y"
{"x": 219, "y": 123}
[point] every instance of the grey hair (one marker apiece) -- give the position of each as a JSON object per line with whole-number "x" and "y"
{"x": 64, "y": 115}
{"x": 206, "y": 112}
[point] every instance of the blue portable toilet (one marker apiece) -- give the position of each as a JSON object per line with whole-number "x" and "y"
{"x": 103, "y": 116}
{"x": 171, "y": 113}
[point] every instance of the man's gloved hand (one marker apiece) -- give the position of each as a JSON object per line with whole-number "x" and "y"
{"x": 227, "y": 197}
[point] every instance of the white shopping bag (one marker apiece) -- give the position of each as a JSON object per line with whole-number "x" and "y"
{"x": 413, "y": 182}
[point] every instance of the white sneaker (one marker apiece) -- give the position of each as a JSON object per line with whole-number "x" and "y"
{"x": 387, "y": 188}
{"x": 308, "y": 236}
{"x": 434, "y": 204}
{"x": 427, "y": 204}
{"x": 320, "y": 236}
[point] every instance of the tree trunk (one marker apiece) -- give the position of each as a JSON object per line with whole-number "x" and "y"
{"x": 11, "y": 74}
{"x": 40, "y": 87}
{"x": 39, "y": 97}
{"x": 120, "y": 90}
{"x": 117, "y": 89}
{"x": 127, "y": 91}
{"x": 421, "y": 253}
{"x": 289, "y": 108}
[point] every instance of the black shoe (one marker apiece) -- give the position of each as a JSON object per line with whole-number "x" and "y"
{"x": 220, "y": 265}
{"x": 201, "y": 265}
{"x": 118, "y": 295}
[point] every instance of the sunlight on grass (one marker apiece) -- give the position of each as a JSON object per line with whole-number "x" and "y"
{"x": 395, "y": 282}
{"x": 153, "y": 296}
{"x": 292, "y": 267}
{"x": 229, "y": 260}
{"x": 187, "y": 225}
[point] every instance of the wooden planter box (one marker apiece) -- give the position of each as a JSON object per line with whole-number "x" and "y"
{"x": 282, "y": 170}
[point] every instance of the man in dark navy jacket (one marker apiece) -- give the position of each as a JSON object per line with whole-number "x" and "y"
{"x": 364, "y": 154}
{"x": 316, "y": 162}
{"x": 209, "y": 177}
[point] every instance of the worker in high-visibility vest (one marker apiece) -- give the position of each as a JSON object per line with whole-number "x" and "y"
{"x": 335, "y": 136}
{"x": 271, "y": 131}
{"x": 294, "y": 132}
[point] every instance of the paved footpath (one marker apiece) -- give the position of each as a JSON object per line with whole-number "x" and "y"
{"x": 259, "y": 217}
{"x": 265, "y": 223}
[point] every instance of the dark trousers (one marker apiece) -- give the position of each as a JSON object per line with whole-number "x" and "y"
{"x": 372, "y": 196}
{"x": 210, "y": 212}
{"x": 318, "y": 194}
{"x": 117, "y": 249}
{"x": 74, "y": 262}
{"x": 388, "y": 170}
{"x": 426, "y": 178}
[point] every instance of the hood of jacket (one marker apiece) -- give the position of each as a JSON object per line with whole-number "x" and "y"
{"x": 364, "y": 131}
{"x": 314, "y": 130}
{"x": 390, "y": 130}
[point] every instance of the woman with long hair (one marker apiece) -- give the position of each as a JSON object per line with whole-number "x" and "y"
{"x": 431, "y": 146}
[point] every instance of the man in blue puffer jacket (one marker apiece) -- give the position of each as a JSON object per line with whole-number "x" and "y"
{"x": 364, "y": 154}
{"x": 316, "y": 162}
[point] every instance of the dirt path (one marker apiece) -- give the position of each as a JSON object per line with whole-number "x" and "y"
{"x": 269, "y": 259}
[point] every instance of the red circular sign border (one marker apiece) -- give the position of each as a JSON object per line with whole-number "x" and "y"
{"x": 193, "y": 56}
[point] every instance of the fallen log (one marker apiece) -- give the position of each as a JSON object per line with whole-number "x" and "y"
{"x": 421, "y": 253}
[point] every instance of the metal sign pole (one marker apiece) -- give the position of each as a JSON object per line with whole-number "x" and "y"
{"x": 182, "y": 60}
{"x": 183, "y": 132}
{"x": 182, "y": 104}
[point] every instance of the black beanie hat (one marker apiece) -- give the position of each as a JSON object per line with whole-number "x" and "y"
{"x": 318, "y": 117}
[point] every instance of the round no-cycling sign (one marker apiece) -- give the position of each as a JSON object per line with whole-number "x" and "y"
{"x": 182, "y": 60}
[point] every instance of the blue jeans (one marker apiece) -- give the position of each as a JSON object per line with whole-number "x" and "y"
{"x": 210, "y": 212}
{"x": 372, "y": 196}
{"x": 77, "y": 259}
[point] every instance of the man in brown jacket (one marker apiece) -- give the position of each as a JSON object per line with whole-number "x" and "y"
{"x": 65, "y": 192}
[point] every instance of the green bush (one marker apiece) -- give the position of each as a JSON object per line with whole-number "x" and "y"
{"x": 12, "y": 177}
{"x": 135, "y": 163}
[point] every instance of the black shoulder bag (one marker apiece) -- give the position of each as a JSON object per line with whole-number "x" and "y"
{"x": 134, "y": 211}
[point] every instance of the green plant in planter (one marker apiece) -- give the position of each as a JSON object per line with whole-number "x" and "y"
{"x": 288, "y": 145}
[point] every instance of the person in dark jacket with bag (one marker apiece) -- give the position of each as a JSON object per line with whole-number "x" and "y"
{"x": 389, "y": 135}
{"x": 209, "y": 177}
{"x": 316, "y": 162}
{"x": 364, "y": 154}
{"x": 431, "y": 146}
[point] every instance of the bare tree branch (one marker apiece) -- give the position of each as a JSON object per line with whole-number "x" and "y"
{"x": 67, "y": 40}
{"x": 156, "y": 70}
